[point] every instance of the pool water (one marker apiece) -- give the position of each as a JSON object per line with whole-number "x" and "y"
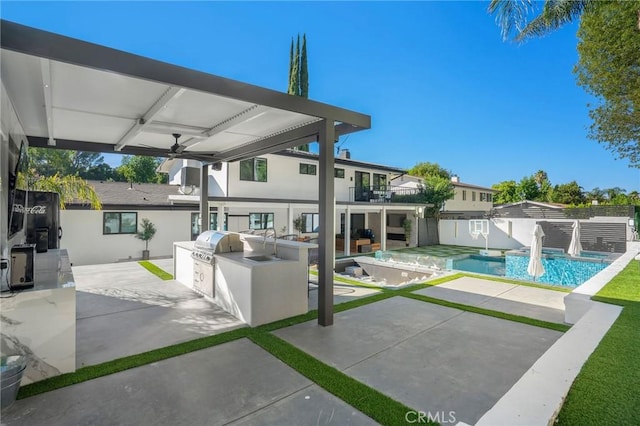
{"x": 562, "y": 271}
{"x": 480, "y": 265}
{"x": 559, "y": 270}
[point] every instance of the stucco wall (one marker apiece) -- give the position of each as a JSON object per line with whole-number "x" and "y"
{"x": 83, "y": 237}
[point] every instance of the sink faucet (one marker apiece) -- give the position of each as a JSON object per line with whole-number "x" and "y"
{"x": 275, "y": 240}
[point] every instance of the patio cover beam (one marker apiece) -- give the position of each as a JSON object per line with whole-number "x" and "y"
{"x": 40, "y": 142}
{"x": 45, "y": 69}
{"x": 55, "y": 47}
{"x": 143, "y": 121}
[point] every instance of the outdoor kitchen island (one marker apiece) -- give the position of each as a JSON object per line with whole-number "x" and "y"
{"x": 258, "y": 281}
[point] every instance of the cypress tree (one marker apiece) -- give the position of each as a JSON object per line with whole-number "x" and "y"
{"x": 294, "y": 86}
{"x": 290, "y": 88}
{"x": 304, "y": 73}
{"x": 298, "y": 74}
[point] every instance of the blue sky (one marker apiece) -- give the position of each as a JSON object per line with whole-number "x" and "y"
{"x": 436, "y": 77}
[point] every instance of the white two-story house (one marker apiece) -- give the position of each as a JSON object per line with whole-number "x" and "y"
{"x": 272, "y": 191}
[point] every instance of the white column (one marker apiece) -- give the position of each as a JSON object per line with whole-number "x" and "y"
{"x": 204, "y": 198}
{"x": 347, "y": 231}
{"x": 383, "y": 225}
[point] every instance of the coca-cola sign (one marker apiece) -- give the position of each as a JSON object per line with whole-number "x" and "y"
{"x": 19, "y": 208}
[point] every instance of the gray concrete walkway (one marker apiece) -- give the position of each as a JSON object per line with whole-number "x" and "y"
{"x": 123, "y": 309}
{"x": 233, "y": 383}
{"x": 532, "y": 302}
{"x": 430, "y": 357}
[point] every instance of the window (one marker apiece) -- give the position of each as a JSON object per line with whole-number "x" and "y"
{"x": 464, "y": 195}
{"x": 254, "y": 169}
{"x": 473, "y": 195}
{"x": 307, "y": 169}
{"x": 311, "y": 222}
{"x": 339, "y": 173}
{"x": 213, "y": 223}
{"x": 120, "y": 223}
{"x": 485, "y": 196}
{"x": 379, "y": 182}
{"x": 260, "y": 220}
{"x": 489, "y": 197}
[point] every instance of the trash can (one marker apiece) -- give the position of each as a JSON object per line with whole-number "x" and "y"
{"x": 11, "y": 369}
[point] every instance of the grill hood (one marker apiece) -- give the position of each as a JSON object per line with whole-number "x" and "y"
{"x": 219, "y": 242}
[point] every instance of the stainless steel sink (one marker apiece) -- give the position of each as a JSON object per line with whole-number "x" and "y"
{"x": 262, "y": 258}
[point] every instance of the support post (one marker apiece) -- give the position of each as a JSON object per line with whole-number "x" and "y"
{"x": 383, "y": 225}
{"x": 327, "y": 226}
{"x": 204, "y": 198}
{"x": 347, "y": 232}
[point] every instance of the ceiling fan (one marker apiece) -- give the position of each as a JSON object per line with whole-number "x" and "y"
{"x": 176, "y": 148}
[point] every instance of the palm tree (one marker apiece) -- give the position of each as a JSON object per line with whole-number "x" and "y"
{"x": 70, "y": 188}
{"x": 512, "y": 16}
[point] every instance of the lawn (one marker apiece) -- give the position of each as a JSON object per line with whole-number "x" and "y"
{"x": 607, "y": 389}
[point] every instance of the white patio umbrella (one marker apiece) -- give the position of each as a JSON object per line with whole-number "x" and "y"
{"x": 535, "y": 268}
{"x": 575, "y": 247}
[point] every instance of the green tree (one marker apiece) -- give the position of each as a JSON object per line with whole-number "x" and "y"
{"x": 507, "y": 192}
{"x": 294, "y": 69}
{"x": 596, "y": 194}
{"x": 608, "y": 68}
{"x": 528, "y": 189}
{"x": 70, "y": 188}
{"x": 437, "y": 190}
{"x": 304, "y": 71}
{"x": 426, "y": 169}
{"x": 299, "y": 74}
{"x": 87, "y": 165}
{"x": 513, "y": 16}
{"x": 568, "y": 193}
{"x": 141, "y": 169}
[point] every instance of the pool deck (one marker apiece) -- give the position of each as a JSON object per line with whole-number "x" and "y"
{"x": 542, "y": 304}
{"x": 429, "y": 357}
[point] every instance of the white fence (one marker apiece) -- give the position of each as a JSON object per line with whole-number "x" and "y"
{"x": 504, "y": 233}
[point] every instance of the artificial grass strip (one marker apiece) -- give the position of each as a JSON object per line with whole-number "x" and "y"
{"x": 488, "y": 312}
{"x": 367, "y": 400}
{"x": 160, "y": 273}
{"x": 115, "y": 366}
{"x": 624, "y": 288}
{"x": 606, "y": 390}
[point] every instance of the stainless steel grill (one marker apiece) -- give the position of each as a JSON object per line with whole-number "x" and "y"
{"x": 215, "y": 242}
{"x": 208, "y": 244}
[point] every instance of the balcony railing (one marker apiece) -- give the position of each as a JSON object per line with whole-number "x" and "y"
{"x": 386, "y": 194}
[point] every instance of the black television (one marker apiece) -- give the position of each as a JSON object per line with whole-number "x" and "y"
{"x": 17, "y": 189}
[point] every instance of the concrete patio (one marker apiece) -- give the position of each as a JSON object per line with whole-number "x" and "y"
{"x": 429, "y": 357}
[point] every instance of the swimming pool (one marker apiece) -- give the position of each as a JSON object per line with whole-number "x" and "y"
{"x": 560, "y": 268}
{"x": 480, "y": 265}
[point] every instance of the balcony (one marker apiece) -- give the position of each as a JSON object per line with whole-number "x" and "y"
{"x": 386, "y": 194}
